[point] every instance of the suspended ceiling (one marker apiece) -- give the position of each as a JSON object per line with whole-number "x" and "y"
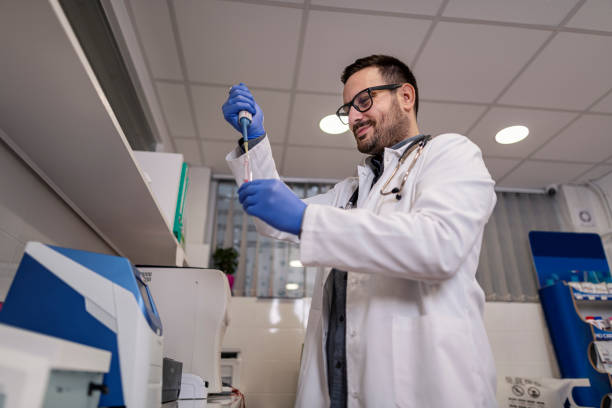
{"x": 481, "y": 65}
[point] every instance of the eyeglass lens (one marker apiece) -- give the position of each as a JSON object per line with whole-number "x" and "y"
{"x": 362, "y": 102}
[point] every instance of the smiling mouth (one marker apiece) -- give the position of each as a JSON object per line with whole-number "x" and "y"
{"x": 361, "y": 131}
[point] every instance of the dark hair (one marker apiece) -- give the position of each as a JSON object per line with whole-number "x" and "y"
{"x": 391, "y": 69}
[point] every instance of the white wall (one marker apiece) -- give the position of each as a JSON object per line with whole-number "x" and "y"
{"x": 31, "y": 211}
{"x": 593, "y": 199}
{"x": 520, "y": 341}
{"x": 270, "y": 332}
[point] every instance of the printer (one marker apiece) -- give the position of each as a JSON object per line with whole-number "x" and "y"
{"x": 96, "y": 300}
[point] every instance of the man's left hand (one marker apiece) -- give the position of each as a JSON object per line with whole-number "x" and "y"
{"x": 274, "y": 203}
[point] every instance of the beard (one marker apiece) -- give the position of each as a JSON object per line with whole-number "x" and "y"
{"x": 392, "y": 128}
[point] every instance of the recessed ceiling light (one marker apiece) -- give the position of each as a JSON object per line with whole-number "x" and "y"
{"x": 292, "y": 286}
{"x": 296, "y": 264}
{"x": 332, "y": 125}
{"x": 511, "y": 134}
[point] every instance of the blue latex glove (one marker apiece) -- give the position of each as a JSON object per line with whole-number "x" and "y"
{"x": 239, "y": 99}
{"x": 274, "y": 203}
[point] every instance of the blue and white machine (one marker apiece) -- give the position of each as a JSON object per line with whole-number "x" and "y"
{"x": 99, "y": 301}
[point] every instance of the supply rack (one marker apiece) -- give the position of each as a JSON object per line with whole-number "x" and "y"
{"x": 557, "y": 254}
{"x": 573, "y": 338}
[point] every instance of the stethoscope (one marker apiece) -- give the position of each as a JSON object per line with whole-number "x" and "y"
{"x": 417, "y": 144}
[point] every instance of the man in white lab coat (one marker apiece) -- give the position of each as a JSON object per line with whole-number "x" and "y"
{"x": 398, "y": 320}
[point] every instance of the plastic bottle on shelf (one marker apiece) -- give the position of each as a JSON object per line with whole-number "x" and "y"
{"x": 575, "y": 281}
{"x": 595, "y": 321}
{"x": 599, "y": 286}
{"x": 608, "y": 281}
{"x": 587, "y": 286}
{"x": 551, "y": 280}
{"x": 574, "y": 276}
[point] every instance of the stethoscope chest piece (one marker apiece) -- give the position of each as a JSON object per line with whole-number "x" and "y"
{"x": 396, "y": 191}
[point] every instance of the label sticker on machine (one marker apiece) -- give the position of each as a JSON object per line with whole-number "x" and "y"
{"x": 520, "y": 392}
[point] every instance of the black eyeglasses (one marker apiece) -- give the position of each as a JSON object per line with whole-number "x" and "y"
{"x": 362, "y": 101}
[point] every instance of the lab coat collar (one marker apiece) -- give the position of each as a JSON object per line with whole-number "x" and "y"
{"x": 364, "y": 171}
{"x": 389, "y": 152}
{"x": 399, "y": 148}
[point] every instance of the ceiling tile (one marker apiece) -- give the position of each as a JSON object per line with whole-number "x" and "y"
{"x": 437, "y": 118}
{"x": 594, "y": 174}
{"x": 320, "y": 162}
{"x": 152, "y": 22}
{"x": 594, "y": 15}
{"x": 605, "y": 105}
{"x": 212, "y": 125}
{"x": 189, "y": 149}
{"x": 229, "y": 42}
{"x": 308, "y": 110}
{"x": 173, "y": 98}
{"x": 539, "y": 174}
{"x": 542, "y": 126}
{"x": 570, "y": 73}
{"x": 589, "y": 139}
{"x": 428, "y": 7}
{"x": 470, "y": 62}
{"x": 214, "y": 155}
{"x": 331, "y": 44}
{"x": 516, "y": 11}
{"x": 498, "y": 167}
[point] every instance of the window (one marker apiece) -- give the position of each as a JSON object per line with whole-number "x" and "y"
{"x": 265, "y": 267}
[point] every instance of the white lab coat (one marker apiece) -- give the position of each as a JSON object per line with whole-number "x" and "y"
{"x": 414, "y": 312}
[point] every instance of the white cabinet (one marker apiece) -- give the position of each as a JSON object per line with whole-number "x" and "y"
{"x": 162, "y": 172}
{"x": 54, "y": 115}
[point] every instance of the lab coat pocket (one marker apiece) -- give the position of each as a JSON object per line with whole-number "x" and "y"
{"x": 433, "y": 362}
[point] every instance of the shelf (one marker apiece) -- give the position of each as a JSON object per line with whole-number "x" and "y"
{"x": 54, "y": 115}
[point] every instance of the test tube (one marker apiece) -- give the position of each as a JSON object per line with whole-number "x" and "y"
{"x": 248, "y": 174}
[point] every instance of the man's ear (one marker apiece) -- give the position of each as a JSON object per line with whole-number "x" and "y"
{"x": 407, "y": 96}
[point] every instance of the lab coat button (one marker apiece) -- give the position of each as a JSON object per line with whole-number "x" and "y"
{"x": 353, "y": 333}
{"x": 355, "y": 394}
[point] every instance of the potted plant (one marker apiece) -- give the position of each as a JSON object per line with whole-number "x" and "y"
{"x": 226, "y": 260}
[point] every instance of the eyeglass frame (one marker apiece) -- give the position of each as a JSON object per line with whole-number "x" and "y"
{"x": 369, "y": 91}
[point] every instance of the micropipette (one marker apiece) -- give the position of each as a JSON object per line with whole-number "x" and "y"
{"x": 245, "y": 118}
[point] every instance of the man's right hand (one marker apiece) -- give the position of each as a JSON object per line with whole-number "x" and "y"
{"x": 239, "y": 99}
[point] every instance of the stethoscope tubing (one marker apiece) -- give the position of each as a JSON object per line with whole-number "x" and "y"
{"x": 418, "y": 144}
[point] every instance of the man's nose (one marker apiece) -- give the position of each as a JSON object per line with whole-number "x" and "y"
{"x": 354, "y": 116}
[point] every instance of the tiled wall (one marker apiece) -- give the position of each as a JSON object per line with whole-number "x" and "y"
{"x": 31, "y": 211}
{"x": 269, "y": 333}
{"x": 520, "y": 340}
